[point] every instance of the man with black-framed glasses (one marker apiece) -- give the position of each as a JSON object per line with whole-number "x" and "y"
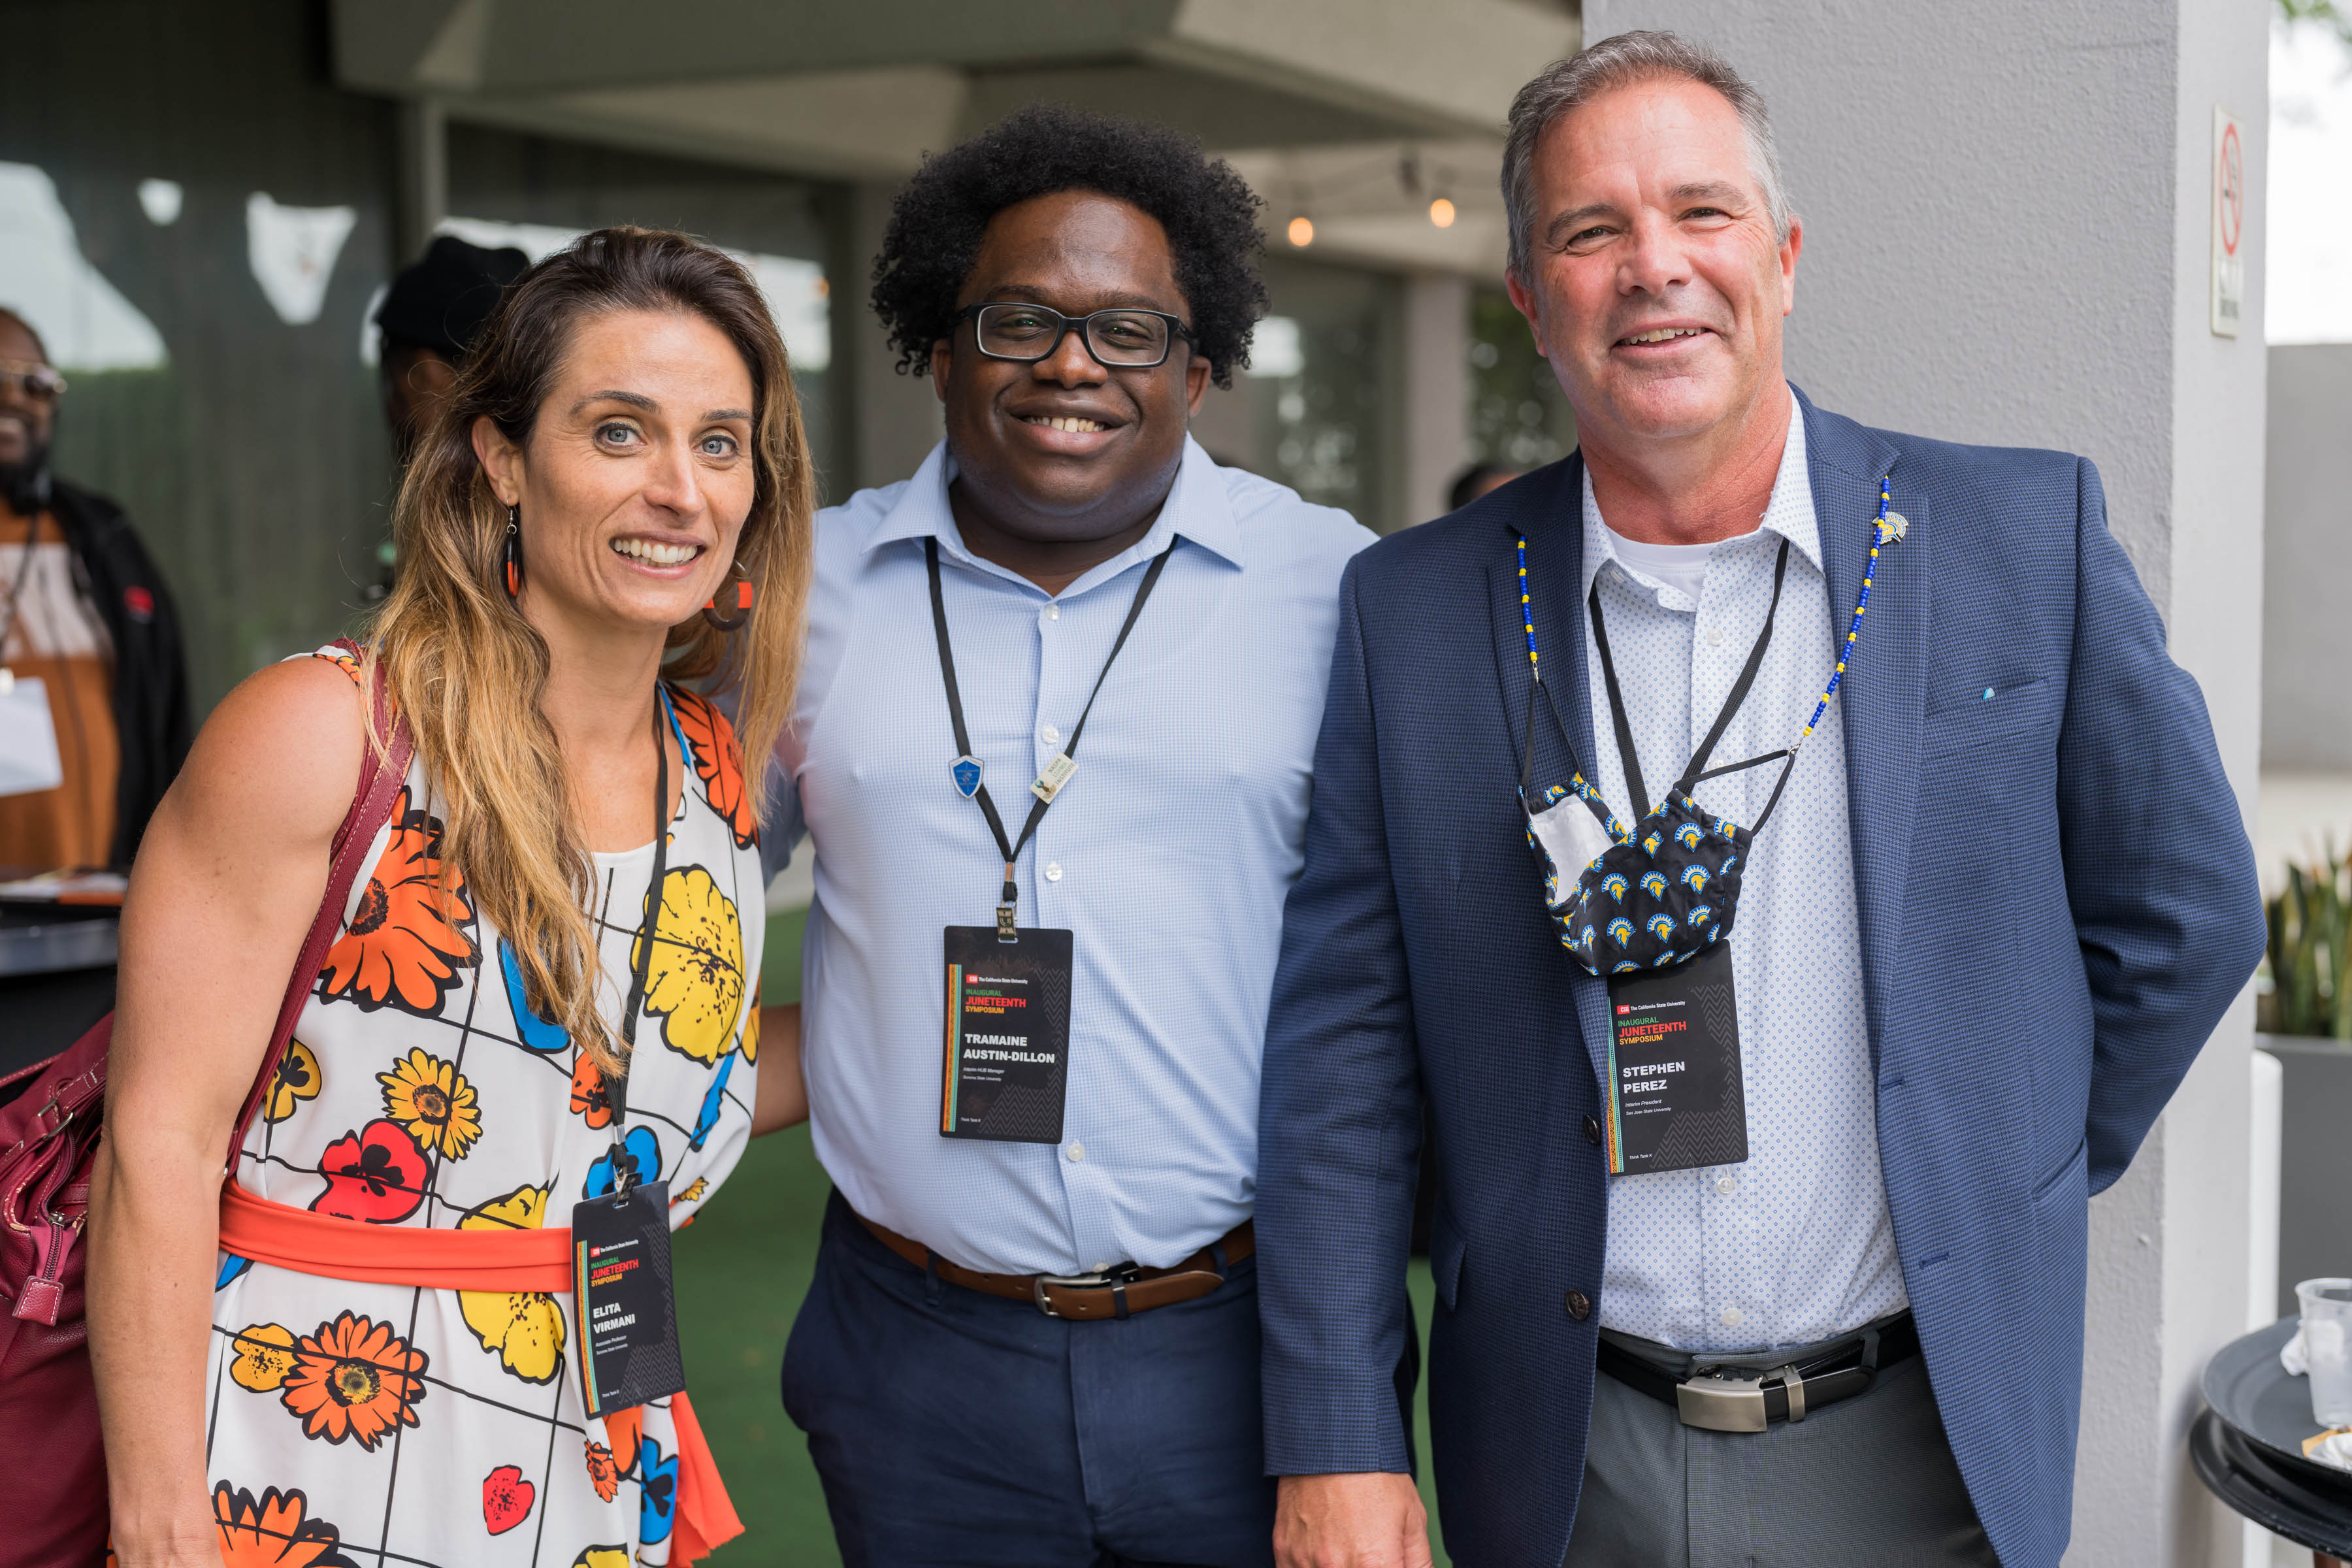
{"x": 1051, "y": 751}
{"x": 89, "y": 642}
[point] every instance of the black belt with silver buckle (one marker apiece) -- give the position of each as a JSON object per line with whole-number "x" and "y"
{"x": 1750, "y": 1398}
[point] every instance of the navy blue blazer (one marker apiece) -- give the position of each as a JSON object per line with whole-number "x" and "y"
{"x": 2057, "y": 897}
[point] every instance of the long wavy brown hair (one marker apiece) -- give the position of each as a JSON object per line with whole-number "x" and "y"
{"x": 469, "y": 672}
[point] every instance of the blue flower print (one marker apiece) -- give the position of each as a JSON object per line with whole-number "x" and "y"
{"x": 712, "y": 1100}
{"x": 658, "y": 1497}
{"x": 641, "y": 1150}
{"x": 231, "y": 1266}
{"x": 538, "y": 1031}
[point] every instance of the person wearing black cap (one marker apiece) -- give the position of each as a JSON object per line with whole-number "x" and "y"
{"x": 427, "y": 322}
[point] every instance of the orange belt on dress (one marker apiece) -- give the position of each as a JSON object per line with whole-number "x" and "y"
{"x": 524, "y": 1260}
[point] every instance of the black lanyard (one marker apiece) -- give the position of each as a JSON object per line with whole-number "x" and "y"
{"x": 1692, "y": 775}
{"x": 616, "y": 1087}
{"x": 1063, "y": 766}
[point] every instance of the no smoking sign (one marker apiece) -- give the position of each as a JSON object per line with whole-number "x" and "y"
{"x": 2229, "y": 223}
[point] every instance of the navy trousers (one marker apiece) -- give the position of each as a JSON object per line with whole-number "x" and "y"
{"x": 955, "y": 1428}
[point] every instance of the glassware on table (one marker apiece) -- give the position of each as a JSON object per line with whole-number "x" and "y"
{"x": 2328, "y": 1348}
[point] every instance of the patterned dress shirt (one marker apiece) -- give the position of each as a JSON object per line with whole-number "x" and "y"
{"x": 1794, "y": 1244}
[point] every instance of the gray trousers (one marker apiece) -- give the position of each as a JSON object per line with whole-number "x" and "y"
{"x": 1863, "y": 1483}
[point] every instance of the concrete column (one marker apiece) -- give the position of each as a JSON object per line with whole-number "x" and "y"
{"x": 891, "y": 421}
{"x": 1436, "y": 391}
{"x": 423, "y": 177}
{"x": 2008, "y": 225}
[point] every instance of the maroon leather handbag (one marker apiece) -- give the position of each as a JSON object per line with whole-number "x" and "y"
{"x": 50, "y": 1124}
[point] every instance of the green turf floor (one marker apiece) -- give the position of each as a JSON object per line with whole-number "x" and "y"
{"x": 742, "y": 1268}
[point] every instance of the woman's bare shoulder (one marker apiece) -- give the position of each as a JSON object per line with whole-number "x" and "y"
{"x": 284, "y": 747}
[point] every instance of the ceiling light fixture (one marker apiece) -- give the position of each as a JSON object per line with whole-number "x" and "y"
{"x": 1301, "y": 231}
{"x": 1441, "y": 212}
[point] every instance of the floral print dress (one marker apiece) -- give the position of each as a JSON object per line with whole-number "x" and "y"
{"x": 382, "y": 1424}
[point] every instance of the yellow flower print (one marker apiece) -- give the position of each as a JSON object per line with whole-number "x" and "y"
{"x": 298, "y": 1079}
{"x": 751, "y": 1031}
{"x": 265, "y": 1354}
{"x": 602, "y": 1557}
{"x": 433, "y": 1101}
{"x": 691, "y": 1192}
{"x": 696, "y": 986}
{"x": 525, "y": 1328}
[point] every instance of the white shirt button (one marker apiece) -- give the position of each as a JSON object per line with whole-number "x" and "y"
{"x": 1053, "y": 613}
{"x": 1714, "y": 637}
{"x": 1727, "y": 1185}
{"x": 1050, "y": 735}
{"x": 1077, "y": 1152}
{"x": 1731, "y": 1315}
{"x": 1052, "y": 870}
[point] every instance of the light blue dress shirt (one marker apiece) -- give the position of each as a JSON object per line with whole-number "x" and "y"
{"x": 1168, "y": 855}
{"x": 1796, "y": 1244}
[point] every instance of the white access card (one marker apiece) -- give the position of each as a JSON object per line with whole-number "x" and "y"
{"x": 28, "y": 739}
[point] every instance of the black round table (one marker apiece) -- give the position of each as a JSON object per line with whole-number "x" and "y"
{"x": 2247, "y": 1446}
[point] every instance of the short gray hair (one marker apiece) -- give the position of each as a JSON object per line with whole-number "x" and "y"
{"x": 1622, "y": 61}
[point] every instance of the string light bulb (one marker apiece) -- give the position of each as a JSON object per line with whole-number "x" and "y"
{"x": 1441, "y": 212}
{"x": 1301, "y": 231}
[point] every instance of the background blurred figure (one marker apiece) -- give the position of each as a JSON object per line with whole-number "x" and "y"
{"x": 83, "y": 610}
{"x": 1478, "y": 479}
{"x": 428, "y": 320}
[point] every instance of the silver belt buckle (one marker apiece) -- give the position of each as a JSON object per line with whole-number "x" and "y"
{"x": 1722, "y": 1404}
{"x": 1124, "y": 1273}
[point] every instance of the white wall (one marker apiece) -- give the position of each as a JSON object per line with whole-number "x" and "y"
{"x": 2008, "y": 226}
{"x": 2307, "y": 566}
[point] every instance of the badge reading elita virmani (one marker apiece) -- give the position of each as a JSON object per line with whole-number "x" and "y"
{"x": 1675, "y": 1096}
{"x": 623, "y": 1298}
{"x": 1008, "y": 1034}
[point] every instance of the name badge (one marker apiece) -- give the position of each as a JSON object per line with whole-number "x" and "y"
{"x": 623, "y": 1302}
{"x": 1676, "y": 1099}
{"x": 1006, "y": 1068}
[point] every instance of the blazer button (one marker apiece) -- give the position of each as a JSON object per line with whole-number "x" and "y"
{"x": 1592, "y": 1130}
{"x": 1580, "y": 1305}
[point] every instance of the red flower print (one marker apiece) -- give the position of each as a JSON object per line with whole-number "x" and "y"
{"x": 404, "y": 947}
{"x": 718, "y": 761}
{"x": 375, "y": 1174}
{"x": 506, "y": 1499}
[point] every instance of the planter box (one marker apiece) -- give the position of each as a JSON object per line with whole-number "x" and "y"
{"x": 2314, "y": 1177}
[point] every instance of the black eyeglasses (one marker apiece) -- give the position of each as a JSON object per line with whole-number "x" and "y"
{"x": 1119, "y": 340}
{"x": 32, "y": 379}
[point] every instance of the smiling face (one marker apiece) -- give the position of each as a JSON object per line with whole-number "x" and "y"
{"x": 25, "y": 421}
{"x": 1063, "y": 449}
{"x": 1658, "y": 284}
{"x": 637, "y": 476}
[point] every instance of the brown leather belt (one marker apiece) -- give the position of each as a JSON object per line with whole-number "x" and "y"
{"x": 1089, "y": 1298}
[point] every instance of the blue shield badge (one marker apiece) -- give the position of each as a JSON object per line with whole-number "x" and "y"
{"x": 967, "y": 776}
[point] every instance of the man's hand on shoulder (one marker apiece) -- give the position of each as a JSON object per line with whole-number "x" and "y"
{"x": 1369, "y": 1520}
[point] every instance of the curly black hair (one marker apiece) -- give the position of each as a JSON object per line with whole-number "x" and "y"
{"x": 1209, "y": 212}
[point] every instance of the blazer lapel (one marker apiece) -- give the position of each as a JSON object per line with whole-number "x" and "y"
{"x": 1550, "y": 516}
{"x": 1886, "y": 678}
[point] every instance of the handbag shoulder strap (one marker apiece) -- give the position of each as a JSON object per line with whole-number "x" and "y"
{"x": 382, "y": 775}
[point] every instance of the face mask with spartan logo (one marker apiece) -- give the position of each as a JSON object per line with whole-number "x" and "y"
{"x": 1625, "y": 901}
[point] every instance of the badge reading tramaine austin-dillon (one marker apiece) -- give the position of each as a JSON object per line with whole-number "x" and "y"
{"x": 1005, "y": 1070}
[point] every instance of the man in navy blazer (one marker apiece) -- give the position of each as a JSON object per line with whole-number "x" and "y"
{"x": 2004, "y": 900}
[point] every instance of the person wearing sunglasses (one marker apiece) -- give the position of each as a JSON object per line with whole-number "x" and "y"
{"x": 85, "y": 614}
{"x": 1052, "y": 751}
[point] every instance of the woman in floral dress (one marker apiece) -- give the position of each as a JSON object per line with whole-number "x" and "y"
{"x": 624, "y": 449}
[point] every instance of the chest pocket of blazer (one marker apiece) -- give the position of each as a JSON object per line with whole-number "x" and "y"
{"x": 1979, "y": 722}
